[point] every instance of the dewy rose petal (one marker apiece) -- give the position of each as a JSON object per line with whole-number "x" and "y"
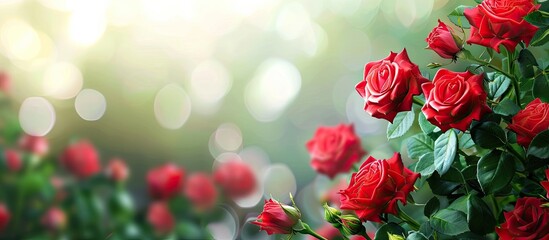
{"x": 530, "y": 121}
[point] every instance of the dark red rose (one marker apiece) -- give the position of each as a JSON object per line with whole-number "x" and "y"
{"x": 165, "y": 181}
{"x": 200, "y": 190}
{"x": 377, "y": 186}
{"x": 454, "y": 99}
{"x": 327, "y": 231}
{"x": 160, "y": 217}
{"x": 389, "y": 85}
{"x": 54, "y": 219}
{"x": 335, "y": 149}
{"x": 34, "y": 144}
{"x": 527, "y": 221}
{"x": 81, "y": 159}
{"x": 236, "y": 178}
{"x": 13, "y": 160}
{"x": 545, "y": 184}
{"x": 443, "y": 41}
{"x": 277, "y": 218}
{"x": 4, "y": 216}
{"x": 117, "y": 170}
{"x": 496, "y": 22}
{"x": 530, "y": 121}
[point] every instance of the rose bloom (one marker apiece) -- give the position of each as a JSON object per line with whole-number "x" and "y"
{"x": 165, "y": 181}
{"x": 81, "y": 159}
{"x": 334, "y": 150}
{"x": 389, "y": 85}
{"x": 545, "y": 184}
{"x": 527, "y": 221}
{"x": 34, "y": 144}
{"x": 160, "y": 217}
{"x": 377, "y": 186}
{"x": 530, "y": 121}
{"x": 274, "y": 220}
{"x": 200, "y": 190}
{"x": 236, "y": 178}
{"x": 4, "y": 216}
{"x": 54, "y": 219}
{"x": 443, "y": 42}
{"x": 496, "y": 22}
{"x": 13, "y": 160}
{"x": 117, "y": 170}
{"x": 454, "y": 100}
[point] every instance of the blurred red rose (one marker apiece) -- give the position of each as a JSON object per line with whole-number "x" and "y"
{"x": 34, "y": 144}
{"x": 332, "y": 196}
{"x": 160, "y": 217}
{"x": 5, "y": 82}
{"x": 117, "y": 170}
{"x": 443, "y": 41}
{"x": 4, "y": 216}
{"x": 277, "y": 218}
{"x": 389, "y": 85}
{"x": 81, "y": 159}
{"x": 54, "y": 219}
{"x": 454, "y": 99}
{"x": 328, "y": 231}
{"x": 58, "y": 185}
{"x": 377, "y": 186}
{"x": 334, "y": 150}
{"x": 527, "y": 221}
{"x": 496, "y": 22}
{"x": 13, "y": 160}
{"x": 236, "y": 178}
{"x": 530, "y": 121}
{"x": 545, "y": 184}
{"x": 165, "y": 181}
{"x": 200, "y": 190}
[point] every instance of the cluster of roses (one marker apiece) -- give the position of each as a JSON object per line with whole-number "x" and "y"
{"x": 456, "y": 102}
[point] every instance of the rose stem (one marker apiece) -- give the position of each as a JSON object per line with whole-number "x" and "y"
{"x": 409, "y": 220}
{"x": 307, "y": 230}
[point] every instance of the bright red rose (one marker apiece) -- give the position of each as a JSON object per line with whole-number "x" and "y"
{"x": 377, "y": 186}
{"x": 443, "y": 41}
{"x": 54, "y": 219}
{"x": 13, "y": 160}
{"x": 454, "y": 99}
{"x": 334, "y": 150}
{"x": 327, "y": 231}
{"x": 236, "y": 178}
{"x": 496, "y": 22}
{"x": 81, "y": 159}
{"x": 34, "y": 144}
{"x": 4, "y": 216}
{"x": 165, "y": 181}
{"x": 277, "y": 218}
{"x": 545, "y": 184}
{"x": 200, "y": 190}
{"x": 160, "y": 217}
{"x": 389, "y": 85}
{"x": 527, "y": 221}
{"x": 117, "y": 170}
{"x": 529, "y": 122}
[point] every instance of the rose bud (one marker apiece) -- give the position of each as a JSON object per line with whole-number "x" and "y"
{"x": 545, "y": 184}
{"x": 277, "y": 218}
{"x": 389, "y": 85}
{"x": 530, "y": 121}
{"x": 13, "y": 160}
{"x": 527, "y": 221}
{"x": 160, "y": 217}
{"x": 351, "y": 225}
{"x": 165, "y": 181}
{"x": 236, "y": 178}
{"x": 200, "y": 190}
{"x": 335, "y": 150}
{"x": 496, "y": 22}
{"x": 117, "y": 170}
{"x": 377, "y": 187}
{"x": 54, "y": 219}
{"x": 443, "y": 41}
{"x": 4, "y": 216}
{"x": 81, "y": 159}
{"x": 332, "y": 195}
{"x": 5, "y": 82}
{"x": 327, "y": 231}
{"x": 454, "y": 99}
{"x": 36, "y": 145}
{"x": 332, "y": 215}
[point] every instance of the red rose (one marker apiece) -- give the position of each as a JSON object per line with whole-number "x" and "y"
{"x": 13, "y": 160}
{"x": 160, "y": 217}
{"x": 81, "y": 159}
{"x": 277, "y": 218}
{"x": 236, "y": 178}
{"x": 4, "y": 216}
{"x": 117, "y": 170}
{"x": 200, "y": 190}
{"x": 34, "y": 144}
{"x": 334, "y": 150}
{"x": 527, "y": 221}
{"x": 389, "y": 85}
{"x": 327, "y": 231}
{"x": 377, "y": 186}
{"x": 165, "y": 181}
{"x": 443, "y": 41}
{"x": 54, "y": 219}
{"x": 454, "y": 99}
{"x": 545, "y": 184}
{"x": 529, "y": 122}
{"x": 495, "y": 22}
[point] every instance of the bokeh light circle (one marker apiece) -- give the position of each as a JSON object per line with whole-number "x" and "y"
{"x": 20, "y": 40}
{"x": 172, "y": 106}
{"x": 90, "y": 104}
{"x": 226, "y": 226}
{"x": 279, "y": 181}
{"x": 228, "y": 137}
{"x": 36, "y": 116}
{"x": 210, "y": 82}
{"x": 62, "y": 80}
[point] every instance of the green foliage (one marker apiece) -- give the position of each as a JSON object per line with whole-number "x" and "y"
{"x": 401, "y": 124}
{"x": 458, "y": 18}
{"x": 445, "y": 151}
{"x": 479, "y": 216}
{"x": 449, "y": 222}
{"x": 495, "y": 171}
{"x": 389, "y": 228}
{"x": 419, "y": 145}
{"x": 497, "y": 84}
{"x": 488, "y": 135}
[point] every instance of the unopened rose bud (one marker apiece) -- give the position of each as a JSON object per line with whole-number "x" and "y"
{"x": 165, "y": 181}
{"x": 117, "y": 170}
{"x": 444, "y": 42}
{"x": 34, "y": 144}
{"x": 332, "y": 215}
{"x": 54, "y": 219}
{"x": 81, "y": 159}
{"x": 160, "y": 217}
{"x": 277, "y": 218}
{"x": 351, "y": 225}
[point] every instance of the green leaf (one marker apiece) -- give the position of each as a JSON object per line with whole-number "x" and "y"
{"x": 449, "y": 222}
{"x": 541, "y": 37}
{"x": 390, "y": 228}
{"x": 425, "y": 166}
{"x": 458, "y": 18}
{"x": 497, "y": 84}
{"x": 401, "y": 124}
{"x": 445, "y": 151}
{"x": 536, "y": 18}
{"x": 469, "y": 172}
{"x": 431, "y": 207}
{"x": 507, "y": 107}
{"x": 488, "y": 135}
{"x": 526, "y": 62}
{"x": 465, "y": 141}
{"x": 426, "y": 229}
{"x": 541, "y": 87}
{"x": 539, "y": 147}
{"x": 416, "y": 236}
{"x": 445, "y": 184}
{"x": 459, "y": 204}
{"x": 478, "y": 1}
{"x": 495, "y": 171}
{"x": 419, "y": 145}
{"x": 425, "y": 125}
{"x": 479, "y": 216}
